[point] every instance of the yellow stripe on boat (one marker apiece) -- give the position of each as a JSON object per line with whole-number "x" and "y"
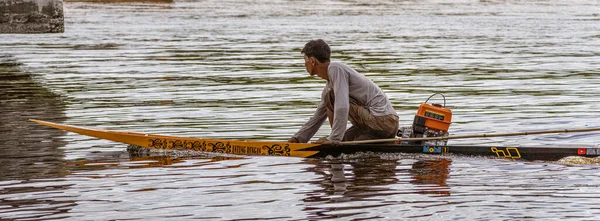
{"x": 237, "y": 147}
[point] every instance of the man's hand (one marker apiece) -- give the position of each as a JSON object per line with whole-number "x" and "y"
{"x": 323, "y": 140}
{"x": 293, "y": 140}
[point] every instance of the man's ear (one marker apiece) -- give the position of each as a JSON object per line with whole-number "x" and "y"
{"x": 313, "y": 61}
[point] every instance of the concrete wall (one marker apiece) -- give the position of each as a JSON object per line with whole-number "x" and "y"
{"x": 31, "y": 16}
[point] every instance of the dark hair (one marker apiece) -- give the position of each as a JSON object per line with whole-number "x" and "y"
{"x": 318, "y": 49}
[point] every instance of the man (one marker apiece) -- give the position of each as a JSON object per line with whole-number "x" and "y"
{"x": 347, "y": 95}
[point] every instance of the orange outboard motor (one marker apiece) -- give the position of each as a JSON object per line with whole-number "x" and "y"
{"x": 434, "y": 116}
{"x": 431, "y": 120}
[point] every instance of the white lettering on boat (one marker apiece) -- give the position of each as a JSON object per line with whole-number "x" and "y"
{"x": 592, "y": 151}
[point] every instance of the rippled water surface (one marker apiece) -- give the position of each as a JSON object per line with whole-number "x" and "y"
{"x": 233, "y": 69}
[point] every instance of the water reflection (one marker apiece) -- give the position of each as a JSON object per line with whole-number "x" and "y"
{"x": 371, "y": 182}
{"x": 230, "y": 69}
{"x": 20, "y": 201}
{"x": 27, "y": 150}
{"x": 29, "y": 153}
{"x": 122, "y": 1}
{"x": 139, "y": 159}
{"x": 431, "y": 175}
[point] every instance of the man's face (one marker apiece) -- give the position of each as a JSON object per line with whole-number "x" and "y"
{"x": 309, "y": 64}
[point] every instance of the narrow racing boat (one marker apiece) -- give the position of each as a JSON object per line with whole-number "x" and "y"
{"x": 272, "y": 148}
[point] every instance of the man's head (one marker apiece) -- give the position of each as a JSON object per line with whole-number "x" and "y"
{"x": 317, "y": 49}
{"x": 316, "y": 52}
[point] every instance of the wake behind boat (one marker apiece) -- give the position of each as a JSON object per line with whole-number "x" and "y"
{"x": 271, "y": 148}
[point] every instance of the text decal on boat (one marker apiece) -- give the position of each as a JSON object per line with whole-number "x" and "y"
{"x": 428, "y": 149}
{"x": 219, "y": 147}
{"x": 588, "y": 151}
{"x": 508, "y": 152}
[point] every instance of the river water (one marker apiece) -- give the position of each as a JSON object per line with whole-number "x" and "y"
{"x": 233, "y": 69}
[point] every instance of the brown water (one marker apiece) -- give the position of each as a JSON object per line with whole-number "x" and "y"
{"x": 232, "y": 69}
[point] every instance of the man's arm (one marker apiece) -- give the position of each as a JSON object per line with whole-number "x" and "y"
{"x": 341, "y": 105}
{"x": 311, "y": 127}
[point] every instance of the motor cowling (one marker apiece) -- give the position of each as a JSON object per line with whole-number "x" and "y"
{"x": 431, "y": 120}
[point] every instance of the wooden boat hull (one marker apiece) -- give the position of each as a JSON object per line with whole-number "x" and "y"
{"x": 546, "y": 153}
{"x": 271, "y": 148}
{"x": 238, "y": 147}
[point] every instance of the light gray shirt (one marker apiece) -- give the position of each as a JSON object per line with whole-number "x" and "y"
{"x": 345, "y": 83}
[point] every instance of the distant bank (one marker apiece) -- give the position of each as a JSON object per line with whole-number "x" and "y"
{"x": 31, "y": 16}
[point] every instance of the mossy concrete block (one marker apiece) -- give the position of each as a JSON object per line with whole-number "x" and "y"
{"x": 31, "y": 16}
